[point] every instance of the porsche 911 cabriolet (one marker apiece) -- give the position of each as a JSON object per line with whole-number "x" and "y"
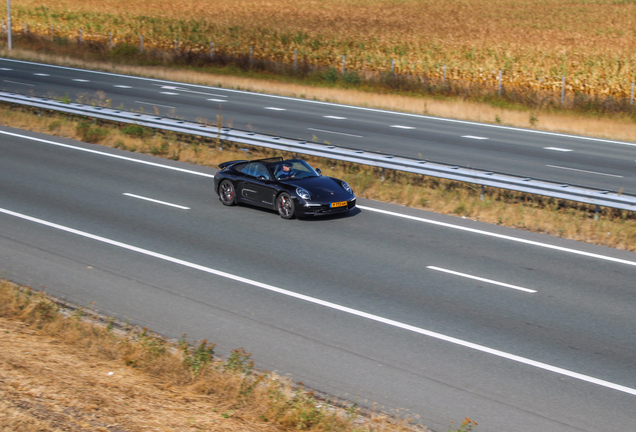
{"x": 291, "y": 187}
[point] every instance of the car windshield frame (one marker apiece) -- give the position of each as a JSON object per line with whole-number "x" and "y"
{"x": 299, "y": 166}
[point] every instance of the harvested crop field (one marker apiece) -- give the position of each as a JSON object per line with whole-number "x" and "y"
{"x": 535, "y": 43}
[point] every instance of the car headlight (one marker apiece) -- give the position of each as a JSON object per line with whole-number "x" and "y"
{"x": 346, "y": 187}
{"x": 303, "y": 193}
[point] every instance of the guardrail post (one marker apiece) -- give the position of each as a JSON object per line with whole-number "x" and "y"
{"x": 499, "y": 83}
{"x": 52, "y": 33}
{"x": 251, "y": 55}
{"x": 596, "y": 212}
{"x": 79, "y": 38}
{"x": 563, "y": 90}
{"x": 343, "y": 63}
{"x": 9, "y": 29}
{"x": 444, "y": 76}
{"x": 483, "y": 190}
{"x": 141, "y": 43}
{"x": 26, "y": 30}
{"x": 110, "y": 40}
{"x": 382, "y": 174}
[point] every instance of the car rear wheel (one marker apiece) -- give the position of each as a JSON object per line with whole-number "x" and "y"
{"x": 285, "y": 206}
{"x": 227, "y": 193}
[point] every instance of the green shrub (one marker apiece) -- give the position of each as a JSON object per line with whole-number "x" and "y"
{"x": 137, "y": 131}
{"x": 90, "y": 133}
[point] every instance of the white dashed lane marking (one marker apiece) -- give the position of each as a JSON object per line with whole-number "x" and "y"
{"x": 275, "y": 109}
{"x": 477, "y": 278}
{"x": 402, "y": 127}
{"x": 157, "y": 201}
{"x": 335, "y": 117}
{"x": 557, "y": 149}
{"x": 474, "y": 137}
{"x": 185, "y": 90}
{"x": 122, "y": 86}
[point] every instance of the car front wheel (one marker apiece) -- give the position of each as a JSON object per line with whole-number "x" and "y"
{"x": 227, "y": 193}
{"x": 285, "y": 206}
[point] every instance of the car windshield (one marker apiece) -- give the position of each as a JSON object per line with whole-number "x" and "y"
{"x": 292, "y": 169}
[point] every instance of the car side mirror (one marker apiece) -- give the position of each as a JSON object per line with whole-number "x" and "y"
{"x": 318, "y": 171}
{"x": 262, "y": 177}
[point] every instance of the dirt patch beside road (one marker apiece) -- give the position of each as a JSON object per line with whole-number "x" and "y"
{"x": 48, "y": 385}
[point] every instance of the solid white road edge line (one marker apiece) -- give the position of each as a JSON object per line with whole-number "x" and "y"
{"x": 397, "y": 113}
{"x": 105, "y": 154}
{"x": 501, "y": 236}
{"x": 584, "y": 171}
{"x": 156, "y": 201}
{"x": 334, "y": 306}
{"x": 154, "y": 104}
{"x": 481, "y": 279}
{"x": 337, "y": 133}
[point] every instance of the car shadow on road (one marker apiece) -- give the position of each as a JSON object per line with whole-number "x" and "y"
{"x": 336, "y": 216}
{"x": 351, "y": 213}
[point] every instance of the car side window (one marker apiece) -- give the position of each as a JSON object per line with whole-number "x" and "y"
{"x": 240, "y": 167}
{"x": 256, "y": 169}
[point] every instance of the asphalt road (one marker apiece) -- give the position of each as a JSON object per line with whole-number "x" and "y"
{"x": 582, "y": 161}
{"x": 440, "y": 317}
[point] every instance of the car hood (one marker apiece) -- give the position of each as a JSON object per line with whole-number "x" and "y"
{"x": 322, "y": 188}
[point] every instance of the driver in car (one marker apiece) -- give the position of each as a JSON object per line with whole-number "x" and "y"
{"x": 287, "y": 171}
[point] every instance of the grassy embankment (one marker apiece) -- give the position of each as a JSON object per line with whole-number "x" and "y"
{"x": 66, "y": 369}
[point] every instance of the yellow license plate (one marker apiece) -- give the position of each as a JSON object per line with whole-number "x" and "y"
{"x": 339, "y": 204}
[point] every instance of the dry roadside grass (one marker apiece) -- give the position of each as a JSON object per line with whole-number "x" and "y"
{"x": 47, "y": 385}
{"x": 65, "y": 371}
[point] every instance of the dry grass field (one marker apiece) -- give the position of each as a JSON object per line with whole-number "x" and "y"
{"x": 534, "y": 42}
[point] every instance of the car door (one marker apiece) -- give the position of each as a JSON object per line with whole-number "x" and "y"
{"x": 258, "y": 187}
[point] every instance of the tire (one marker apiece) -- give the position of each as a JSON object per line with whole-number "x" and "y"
{"x": 285, "y": 206}
{"x": 227, "y": 194}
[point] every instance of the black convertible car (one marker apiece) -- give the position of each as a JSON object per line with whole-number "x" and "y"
{"x": 292, "y": 187}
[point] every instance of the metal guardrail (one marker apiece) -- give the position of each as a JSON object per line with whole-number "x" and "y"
{"x": 484, "y": 178}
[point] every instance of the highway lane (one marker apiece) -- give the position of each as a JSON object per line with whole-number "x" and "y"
{"x": 589, "y": 162}
{"x": 363, "y": 306}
